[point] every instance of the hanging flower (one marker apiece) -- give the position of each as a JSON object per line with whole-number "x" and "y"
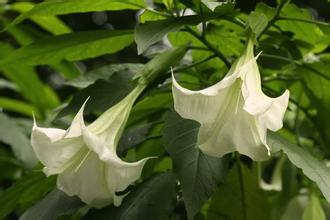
{"x": 234, "y": 113}
{"x": 84, "y": 157}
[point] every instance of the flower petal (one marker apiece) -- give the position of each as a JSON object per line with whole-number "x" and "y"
{"x": 200, "y": 105}
{"x": 233, "y": 130}
{"x": 54, "y": 152}
{"x": 269, "y": 110}
{"x": 105, "y": 172}
{"x": 87, "y": 180}
{"x": 75, "y": 128}
{"x": 111, "y": 123}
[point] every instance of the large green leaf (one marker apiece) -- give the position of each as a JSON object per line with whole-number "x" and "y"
{"x": 229, "y": 202}
{"x": 316, "y": 77}
{"x": 198, "y": 173}
{"x": 62, "y": 7}
{"x": 50, "y": 23}
{"x": 302, "y": 31}
{"x": 12, "y": 134}
{"x": 55, "y": 204}
{"x": 25, "y": 192}
{"x": 311, "y": 167}
{"x": 152, "y": 199}
{"x": 71, "y": 47}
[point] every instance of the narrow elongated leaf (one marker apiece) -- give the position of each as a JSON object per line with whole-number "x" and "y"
{"x": 50, "y": 23}
{"x": 25, "y": 35}
{"x": 61, "y": 7}
{"x": 71, "y": 47}
{"x": 311, "y": 167}
{"x": 20, "y": 107}
{"x": 28, "y": 83}
{"x": 199, "y": 174}
{"x": 229, "y": 202}
{"x": 55, "y": 204}
{"x": 11, "y": 134}
{"x": 152, "y": 199}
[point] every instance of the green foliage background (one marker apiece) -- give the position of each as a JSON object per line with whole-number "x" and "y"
{"x": 55, "y": 54}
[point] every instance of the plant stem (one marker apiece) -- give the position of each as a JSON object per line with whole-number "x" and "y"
{"x": 274, "y": 18}
{"x": 303, "y": 20}
{"x": 194, "y": 64}
{"x": 241, "y": 183}
{"x": 208, "y": 45}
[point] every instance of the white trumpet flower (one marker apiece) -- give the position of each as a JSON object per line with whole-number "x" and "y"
{"x": 234, "y": 113}
{"x": 84, "y": 157}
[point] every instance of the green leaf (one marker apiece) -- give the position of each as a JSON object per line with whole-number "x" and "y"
{"x": 151, "y": 32}
{"x": 20, "y": 107}
{"x": 55, "y": 204}
{"x": 316, "y": 78}
{"x": 55, "y": 7}
{"x": 257, "y": 22}
{"x": 309, "y": 33}
{"x": 11, "y": 165}
{"x": 117, "y": 87}
{"x": 152, "y": 199}
{"x": 104, "y": 72}
{"x": 11, "y": 134}
{"x": 149, "y": 106}
{"x": 311, "y": 167}
{"x": 314, "y": 210}
{"x": 133, "y": 137}
{"x": 25, "y": 35}
{"x": 26, "y": 79}
{"x": 227, "y": 202}
{"x": 71, "y": 47}
{"x": 50, "y": 23}
{"x": 25, "y": 192}
{"x": 199, "y": 174}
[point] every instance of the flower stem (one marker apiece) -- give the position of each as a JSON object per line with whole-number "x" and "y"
{"x": 241, "y": 183}
{"x": 183, "y": 68}
{"x": 208, "y": 45}
{"x": 274, "y": 18}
